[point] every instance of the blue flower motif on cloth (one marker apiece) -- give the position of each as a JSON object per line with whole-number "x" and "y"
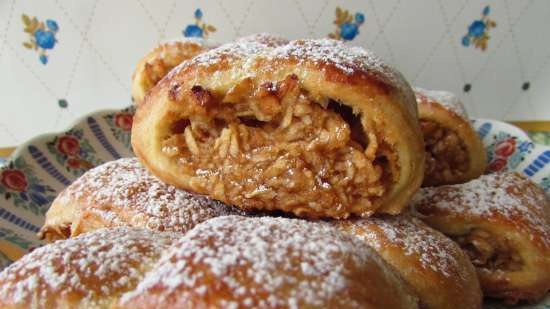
{"x": 41, "y": 35}
{"x": 478, "y": 31}
{"x": 199, "y": 29}
{"x": 347, "y": 25}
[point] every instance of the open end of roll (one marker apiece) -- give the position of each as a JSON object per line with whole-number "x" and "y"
{"x": 263, "y": 145}
{"x": 489, "y": 252}
{"x": 446, "y": 154}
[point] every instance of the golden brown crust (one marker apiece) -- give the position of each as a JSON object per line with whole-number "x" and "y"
{"x": 502, "y": 221}
{"x": 160, "y": 60}
{"x": 454, "y": 151}
{"x": 238, "y": 262}
{"x": 324, "y": 69}
{"x": 426, "y": 259}
{"x": 124, "y": 193}
{"x": 89, "y": 271}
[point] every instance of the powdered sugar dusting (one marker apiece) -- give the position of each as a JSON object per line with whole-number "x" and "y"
{"x": 347, "y": 59}
{"x": 123, "y": 192}
{"x": 262, "y": 262}
{"x": 234, "y": 50}
{"x": 264, "y": 38}
{"x": 505, "y": 196}
{"x": 433, "y": 250}
{"x": 344, "y": 57}
{"x": 91, "y": 268}
{"x": 446, "y": 99}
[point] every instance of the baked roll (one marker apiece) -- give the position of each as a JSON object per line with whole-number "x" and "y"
{"x": 159, "y": 61}
{"x": 502, "y": 221}
{"x": 240, "y": 262}
{"x": 313, "y": 128}
{"x": 124, "y": 193}
{"x": 89, "y": 271}
{"x": 454, "y": 151}
{"x": 426, "y": 259}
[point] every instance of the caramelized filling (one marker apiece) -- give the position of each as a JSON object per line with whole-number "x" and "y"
{"x": 489, "y": 252}
{"x": 271, "y": 146}
{"x": 446, "y": 154}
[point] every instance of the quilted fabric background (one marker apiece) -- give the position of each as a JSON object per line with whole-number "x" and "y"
{"x": 60, "y": 59}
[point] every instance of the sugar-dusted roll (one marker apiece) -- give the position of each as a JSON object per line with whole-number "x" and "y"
{"x": 160, "y": 60}
{"x": 502, "y": 221}
{"x": 124, "y": 193}
{"x": 89, "y": 271}
{"x": 240, "y": 262}
{"x": 433, "y": 265}
{"x": 454, "y": 151}
{"x": 312, "y": 127}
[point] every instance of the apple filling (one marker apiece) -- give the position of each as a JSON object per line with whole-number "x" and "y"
{"x": 446, "y": 154}
{"x": 488, "y": 252}
{"x": 272, "y": 146}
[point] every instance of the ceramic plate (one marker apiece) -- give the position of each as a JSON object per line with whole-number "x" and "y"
{"x": 39, "y": 169}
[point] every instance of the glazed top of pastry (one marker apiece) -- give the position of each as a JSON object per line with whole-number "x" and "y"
{"x": 342, "y": 61}
{"x": 271, "y": 252}
{"x": 434, "y": 251}
{"x": 446, "y": 99}
{"x": 92, "y": 266}
{"x": 508, "y": 197}
{"x": 125, "y": 183}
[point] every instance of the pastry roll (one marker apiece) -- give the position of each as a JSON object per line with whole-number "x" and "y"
{"x": 426, "y": 259}
{"x": 502, "y": 221}
{"x": 89, "y": 271}
{"x": 159, "y": 61}
{"x": 240, "y": 262}
{"x": 312, "y": 127}
{"x": 454, "y": 151}
{"x": 124, "y": 193}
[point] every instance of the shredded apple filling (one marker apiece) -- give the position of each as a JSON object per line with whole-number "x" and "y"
{"x": 489, "y": 252}
{"x": 446, "y": 154}
{"x": 259, "y": 146}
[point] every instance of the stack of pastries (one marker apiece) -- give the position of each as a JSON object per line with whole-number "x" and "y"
{"x": 288, "y": 174}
